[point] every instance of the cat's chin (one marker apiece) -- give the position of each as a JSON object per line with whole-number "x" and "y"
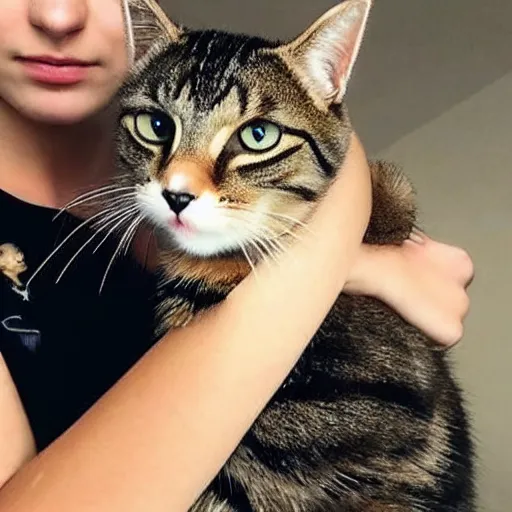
{"x": 205, "y": 245}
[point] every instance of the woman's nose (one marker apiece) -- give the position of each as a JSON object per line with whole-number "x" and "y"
{"x": 58, "y": 19}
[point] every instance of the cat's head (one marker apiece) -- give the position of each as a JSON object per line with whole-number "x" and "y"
{"x": 231, "y": 140}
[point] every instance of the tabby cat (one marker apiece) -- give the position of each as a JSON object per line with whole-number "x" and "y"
{"x": 226, "y": 144}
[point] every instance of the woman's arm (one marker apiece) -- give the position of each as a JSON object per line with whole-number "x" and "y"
{"x": 159, "y": 436}
{"x": 17, "y": 444}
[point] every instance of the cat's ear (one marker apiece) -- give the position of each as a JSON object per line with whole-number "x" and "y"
{"x": 149, "y": 25}
{"x": 324, "y": 55}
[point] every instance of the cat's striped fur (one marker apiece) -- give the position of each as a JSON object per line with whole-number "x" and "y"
{"x": 370, "y": 419}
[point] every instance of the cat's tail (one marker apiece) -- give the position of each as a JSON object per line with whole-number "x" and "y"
{"x": 394, "y": 208}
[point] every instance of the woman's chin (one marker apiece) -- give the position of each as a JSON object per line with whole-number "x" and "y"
{"x": 64, "y": 113}
{"x": 55, "y": 106}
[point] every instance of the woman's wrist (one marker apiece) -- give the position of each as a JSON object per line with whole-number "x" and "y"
{"x": 377, "y": 269}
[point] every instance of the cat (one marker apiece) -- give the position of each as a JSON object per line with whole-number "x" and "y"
{"x": 226, "y": 144}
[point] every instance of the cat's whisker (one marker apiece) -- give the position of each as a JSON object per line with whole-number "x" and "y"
{"x": 99, "y": 225}
{"x": 93, "y": 196}
{"x": 126, "y": 197}
{"x": 90, "y": 191}
{"x": 285, "y": 228}
{"x": 273, "y": 239}
{"x": 123, "y": 214}
{"x": 104, "y": 200}
{"x": 260, "y": 239}
{"x": 266, "y": 246}
{"x": 119, "y": 177}
{"x": 130, "y": 239}
{"x": 116, "y": 206}
{"x": 246, "y": 255}
{"x": 286, "y": 231}
{"x": 271, "y": 250}
{"x": 132, "y": 232}
{"x": 108, "y": 182}
{"x": 112, "y": 210}
{"x": 83, "y": 196}
{"x": 271, "y": 236}
{"x": 126, "y": 213}
{"x": 150, "y": 239}
{"x": 246, "y": 225}
{"x": 118, "y": 250}
{"x": 259, "y": 250}
{"x": 82, "y": 225}
{"x": 294, "y": 221}
{"x": 277, "y": 236}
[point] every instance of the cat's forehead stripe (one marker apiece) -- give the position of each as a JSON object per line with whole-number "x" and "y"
{"x": 212, "y": 61}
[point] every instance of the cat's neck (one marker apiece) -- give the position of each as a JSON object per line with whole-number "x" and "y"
{"x": 220, "y": 272}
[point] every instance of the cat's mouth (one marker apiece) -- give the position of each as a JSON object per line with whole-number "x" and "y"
{"x": 198, "y": 225}
{"x": 181, "y": 226}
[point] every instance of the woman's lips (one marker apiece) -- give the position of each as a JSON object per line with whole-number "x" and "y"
{"x": 55, "y": 71}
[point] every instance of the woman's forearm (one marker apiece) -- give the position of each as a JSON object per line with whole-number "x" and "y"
{"x": 156, "y": 439}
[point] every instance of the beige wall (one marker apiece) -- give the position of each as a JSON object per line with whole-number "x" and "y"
{"x": 433, "y": 91}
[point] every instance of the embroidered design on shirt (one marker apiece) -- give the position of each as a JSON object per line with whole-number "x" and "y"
{"x": 12, "y": 265}
{"x": 30, "y": 338}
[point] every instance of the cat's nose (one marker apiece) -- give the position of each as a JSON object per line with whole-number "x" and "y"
{"x": 178, "y": 201}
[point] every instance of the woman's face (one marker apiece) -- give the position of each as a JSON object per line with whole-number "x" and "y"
{"x": 61, "y": 60}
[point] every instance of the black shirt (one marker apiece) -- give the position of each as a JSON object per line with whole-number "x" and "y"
{"x": 68, "y": 344}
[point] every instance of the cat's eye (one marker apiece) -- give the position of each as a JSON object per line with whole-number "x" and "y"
{"x": 260, "y": 136}
{"x": 155, "y": 128}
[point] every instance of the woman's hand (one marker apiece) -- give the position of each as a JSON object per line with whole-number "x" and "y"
{"x": 425, "y": 281}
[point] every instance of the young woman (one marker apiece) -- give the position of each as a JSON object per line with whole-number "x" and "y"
{"x": 84, "y": 425}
